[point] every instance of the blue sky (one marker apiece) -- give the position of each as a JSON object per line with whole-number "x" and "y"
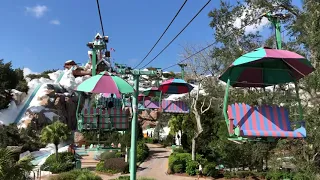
{"x": 43, "y": 34}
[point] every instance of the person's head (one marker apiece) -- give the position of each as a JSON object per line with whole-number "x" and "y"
{"x": 111, "y": 95}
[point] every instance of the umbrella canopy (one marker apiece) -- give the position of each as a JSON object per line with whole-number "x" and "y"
{"x": 175, "y": 86}
{"x": 105, "y": 82}
{"x": 152, "y": 92}
{"x": 142, "y": 97}
{"x": 107, "y": 95}
{"x": 265, "y": 66}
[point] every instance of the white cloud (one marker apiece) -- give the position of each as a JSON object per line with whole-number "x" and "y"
{"x": 55, "y": 22}
{"x": 253, "y": 27}
{"x": 37, "y": 11}
{"x": 27, "y": 71}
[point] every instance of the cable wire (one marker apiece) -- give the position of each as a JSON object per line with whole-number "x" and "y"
{"x": 189, "y": 56}
{"x": 162, "y": 34}
{"x": 100, "y": 18}
{"x": 177, "y": 34}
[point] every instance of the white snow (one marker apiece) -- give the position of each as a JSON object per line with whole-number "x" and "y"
{"x": 54, "y": 76}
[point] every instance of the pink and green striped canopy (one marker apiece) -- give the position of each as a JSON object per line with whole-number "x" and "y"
{"x": 265, "y": 66}
{"x": 105, "y": 82}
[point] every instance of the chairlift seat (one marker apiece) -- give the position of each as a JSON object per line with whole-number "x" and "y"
{"x": 114, "y": 118}
{"x": 262, "y": 121}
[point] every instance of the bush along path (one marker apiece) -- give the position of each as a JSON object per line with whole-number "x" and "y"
{"x": 155, "y": 166}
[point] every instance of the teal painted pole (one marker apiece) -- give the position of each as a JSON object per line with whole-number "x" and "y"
{"x": 278, "y": 33}
{"x": 182, "y": 70}
{"x": 133, "y": 148}
{"x": 276, "y": 22}
{"x": 94, "y": 61}
{"x": 79, "y": 127}
{"x": 225, "y": 104}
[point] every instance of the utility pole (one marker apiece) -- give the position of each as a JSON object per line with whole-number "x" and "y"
{"x": 133, "y": 149}
{"x": 99, "y": 43}
{"x": 182, "y": 69}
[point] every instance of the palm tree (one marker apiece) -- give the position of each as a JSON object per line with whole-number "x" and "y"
{"x": 55, "y": 133}
{"x": 10, "y": 169}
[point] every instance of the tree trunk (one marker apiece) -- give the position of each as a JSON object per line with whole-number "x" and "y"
{"x": 56, "y": 146}
{"x": 193, "y": 149}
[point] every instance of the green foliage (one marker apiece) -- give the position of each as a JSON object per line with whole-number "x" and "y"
{"x": 10, "y": 79}
{"x": 178, "y": 162}
{"x": 142, "y": 152}
{"x": 192, "y": 168}
{"x": 12, "y": 169}
{"x": 65, "y": 162}
{"x": 179, "y": 150}
{"x": 101, "y": 168}
{"x": 28, "y": 138}
{"x": 44, "y": 74}
{"x": 175, "y": 123}
{"x": 210, "y": 170}
{"x": 150, "y": 140}
{"x": 303, "y": 176}
{"x": 117, "y": 165}
{"x": 107, "y": 155}
{"x": 168, "y": 141}
{"x": 119, "y": 154}
{"x": 178, "y": 168}
{"x": 76, "y": 174}
{"x": 55, "y": 133}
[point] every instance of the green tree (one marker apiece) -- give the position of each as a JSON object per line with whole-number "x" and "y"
{"x": 8, "y": 81}
{"x": 22, "y": 83}
{"x": 55, "y": 133}
{"x": 10, "y": 169}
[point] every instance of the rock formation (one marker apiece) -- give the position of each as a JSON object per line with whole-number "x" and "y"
{"x": 55, "y": 104}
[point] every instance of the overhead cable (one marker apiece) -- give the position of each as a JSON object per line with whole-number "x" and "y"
{"x": 189, "y": 56}
{"x": 162, "y": 34}
{"x": 177, "y": 35}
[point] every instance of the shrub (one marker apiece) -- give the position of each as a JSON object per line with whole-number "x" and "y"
{"x": 116, "y": 165}
{"x": 119, "y": 154}
{"x": 178, "y": 159}
{"x": 179, "y": 150}
{"x": 303, "y": 176}
{"x": 76, "y": 175}
{"x": 243, "y": 174}
{"x": 168, "y": 141}
{"x": 142, "y": 152}
{"x": 228, "y": 175}
{"x": 65, "y": 163}
{"x": 107, "y": 155}
{"x": 148, "y": 140}
{"x": 210, "y": 170}
{"x": 274, "y": 175}
{"x": 192, "y": 168}
{"x": 178, "y": 168}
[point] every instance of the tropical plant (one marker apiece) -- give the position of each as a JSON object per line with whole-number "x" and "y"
{"x": 55, "y": 133}
{"x": 11, "y": 169}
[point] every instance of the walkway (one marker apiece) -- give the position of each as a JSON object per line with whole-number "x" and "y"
{"x": 156, "y": 166}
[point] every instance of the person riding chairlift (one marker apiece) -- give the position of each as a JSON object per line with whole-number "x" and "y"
{"x": 110, "y": 103}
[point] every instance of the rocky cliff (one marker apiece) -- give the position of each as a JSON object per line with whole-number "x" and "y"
{"x": 55, "y": 103}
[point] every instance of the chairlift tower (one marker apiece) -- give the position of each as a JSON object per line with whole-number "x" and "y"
{"x": 136, "y": 75}
{"x": 99, "y": 43}
{"x": 182, "y": 69}
{"x": 275, "y": 17}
